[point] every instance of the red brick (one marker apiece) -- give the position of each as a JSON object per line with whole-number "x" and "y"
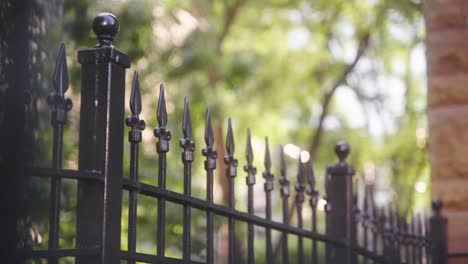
{"x": 448, "y": 90}
{"x": 443, "y": 14}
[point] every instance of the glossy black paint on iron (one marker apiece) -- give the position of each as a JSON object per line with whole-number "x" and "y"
{"x": 314, "y": 194}
{"x": 340, "y": 220}
{"x": 285, "y": 193}
{"x": 231, "y": 172}
{"x": 300, "y": 198}
{"x": 162, "y": 147}
{"x": 60, "y": 106}
{"x": 210, "y": 165}
{"x": 438, "y": 233}
{"x": 99, "y": 205}
{"x": 188, "y": 147}
{"x": 134, "y": 137}
{"x": 251, "y": 171}
{"x": 268, "y": 187}
{"x": 100, "y": 184}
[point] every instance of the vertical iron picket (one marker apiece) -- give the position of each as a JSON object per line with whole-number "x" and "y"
{"x": 313, "y": 204}
{"x": 420, "y": 237}
{"x": 285, "y": 193}
{"x": 134, "y": 137}
{"x": 210, "y": 164}
{"x": 385, "y": 233}
{"x": 355, "y": 219}
{"x": 162, "y": 147}
{"x": 231, "y": 172}
{"x": 427, "y": 240}
{"x": 300, "y": 189}
{"x": 406, "y": 240}
{"x": 250, "y": 180}
{"x": 188, "y": 146}
{"x": 268, "y": 187}
{"x": 374, "y": 223}
{"x": 365, "y": 220}
{"x": 400, "y": 238}
{"x": 60, "y": 105}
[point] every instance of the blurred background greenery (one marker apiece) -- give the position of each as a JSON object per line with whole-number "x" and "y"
{"x": 304, "y": 73}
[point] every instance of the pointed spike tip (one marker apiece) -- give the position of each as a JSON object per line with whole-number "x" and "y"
{"x": 267, "y": 155}
{"x": 187, "y": 122}
{"x": 282, "y": 161}
{"x": 60, "y": 78}
{"x": 230, "y": 139}
{"x": 310, "y": 174}
{"x": 162, "y": 113}
{"x": 300, "y": 172}
{"x": 135, "y": 96}
{"x": 209, "y": 137}
{"x": 248, "y": 150}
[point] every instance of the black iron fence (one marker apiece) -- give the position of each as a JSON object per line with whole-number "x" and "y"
{"x": 355, "y": 232}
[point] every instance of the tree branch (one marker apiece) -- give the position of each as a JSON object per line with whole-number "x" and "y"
{"x": 327, "y": 98}
{"x": 229, "y": 17}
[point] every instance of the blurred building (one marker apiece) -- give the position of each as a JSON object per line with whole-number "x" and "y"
{"x": 447, "y": 59}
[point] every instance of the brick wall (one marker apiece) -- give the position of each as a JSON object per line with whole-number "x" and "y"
{"x": 447, "y": 59}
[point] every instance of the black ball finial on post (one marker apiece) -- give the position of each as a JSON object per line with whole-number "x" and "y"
{"x": 105, "y": 26}
{"x": 342, "y": 150}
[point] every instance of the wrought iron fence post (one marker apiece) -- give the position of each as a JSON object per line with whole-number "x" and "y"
{"x": 101, "y": 143}
{"x": 438, "y": 234}
{"x": 340, "y": 205}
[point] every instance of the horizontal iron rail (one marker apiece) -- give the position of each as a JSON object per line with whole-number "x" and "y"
{"x": 148, "y": 258}
{"x": 59, "y": 253}
{"x": 370, "y": 255}
{"x": 66, "y": 174}
{"x": 154, "y": 191}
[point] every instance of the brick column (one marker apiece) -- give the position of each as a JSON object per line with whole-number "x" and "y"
{"x": 447, "y": 68}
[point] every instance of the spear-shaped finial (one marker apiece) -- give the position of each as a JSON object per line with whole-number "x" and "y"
{"x": 311, "y": 179}
{"x": 269, "y": 177}
{"x": 209, "y": 151}
{"x": 282, "y": 161}
{"x": 161, "y": 132}
{"x": 230, "y": 139}
{"x": 248, "y": 148}
{"x": 267, "y": 161}
{"x": 161, "y": 112}
{"x": 283, "y": 180}
{"x": 60, "y": 79}
{"x": 134, "y": 121}
{"x": 187, "y": 122}
{"x": 187, "y": 143}
{"x": 366, "y": 198}
{"x": 310, "y": 175}
{"x": 57, "y": 99}
{"x": 300, "y": 185}
{"x": 135, "y": 96}
{"x": 209, "y": 138}
{"x": 249, "y": 167}
{"x": 229, "y": 158}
